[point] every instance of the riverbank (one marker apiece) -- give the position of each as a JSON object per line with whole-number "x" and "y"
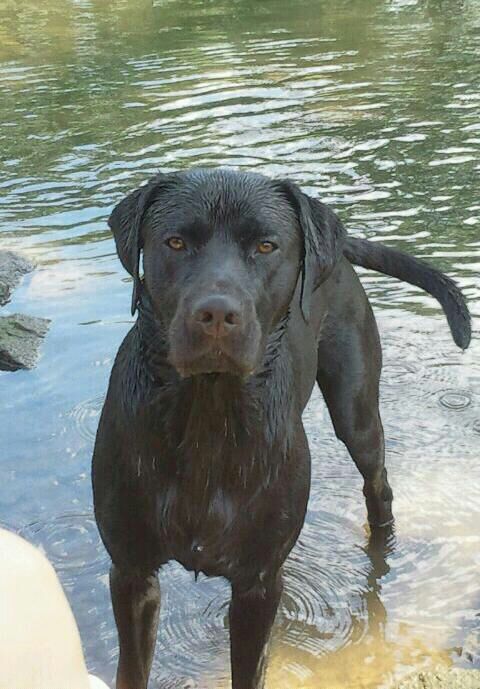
{"x": 451, "y": 678}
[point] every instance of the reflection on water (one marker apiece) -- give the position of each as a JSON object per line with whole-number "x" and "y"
{"x": 367, "y": 657}
{"x": 374, "y": 107}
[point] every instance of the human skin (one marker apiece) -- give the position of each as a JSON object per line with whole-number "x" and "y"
{"x": 40, "y": 645}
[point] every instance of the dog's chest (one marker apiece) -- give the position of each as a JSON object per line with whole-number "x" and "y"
{"x": 200, "y": 531}
{"x": 205, "y": 512}
{"x": 214, "y": 469}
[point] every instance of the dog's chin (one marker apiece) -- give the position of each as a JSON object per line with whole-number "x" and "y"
{"x": 213, "y": 362}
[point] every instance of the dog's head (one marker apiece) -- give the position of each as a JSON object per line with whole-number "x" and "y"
{"x": 223, "y": 253}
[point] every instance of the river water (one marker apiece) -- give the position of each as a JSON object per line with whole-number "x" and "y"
{"x": 374, "y": 107}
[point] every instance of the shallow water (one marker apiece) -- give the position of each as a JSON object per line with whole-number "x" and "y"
{"x": 373, "y": 106}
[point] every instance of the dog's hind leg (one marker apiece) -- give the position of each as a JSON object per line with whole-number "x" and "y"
{"x": 349, "y": 365}
{"x": 136, "y": 606}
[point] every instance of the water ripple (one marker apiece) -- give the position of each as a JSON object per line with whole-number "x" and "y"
{"x": 86, "y": 415}
{"x": 70, "y": 541}
{"x": 194, "y": 623}
{"x": 455, "y": 399}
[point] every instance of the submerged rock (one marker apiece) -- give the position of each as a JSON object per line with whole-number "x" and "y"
{"x": 20, "y": 338}
{"x": 450, "y": 678}
{"x": 471, "y": 648}
{"x": 12, "y": 267}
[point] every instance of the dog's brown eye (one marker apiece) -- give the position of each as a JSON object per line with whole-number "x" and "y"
{"x": 176, "y": 243}
{"x": 266, "y": 247}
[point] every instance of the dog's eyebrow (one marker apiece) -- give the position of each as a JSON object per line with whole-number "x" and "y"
{"x": 250, "y": 230}
{"x": 196, "y": 232}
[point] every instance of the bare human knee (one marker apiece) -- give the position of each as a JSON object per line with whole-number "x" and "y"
{"x": 39, "y": 641}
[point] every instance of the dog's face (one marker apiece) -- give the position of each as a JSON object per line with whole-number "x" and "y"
{"x": 222, "y": 255}
{"x": 221, "y": 261}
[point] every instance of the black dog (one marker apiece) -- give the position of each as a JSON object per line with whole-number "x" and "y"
{"x": 248, "y": 297}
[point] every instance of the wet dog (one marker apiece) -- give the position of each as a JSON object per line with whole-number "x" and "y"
{"x": 248, "y": 296}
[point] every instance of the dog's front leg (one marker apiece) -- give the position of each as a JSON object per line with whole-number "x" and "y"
{"x": 136, "y": 606}
{"x": 251, "y": 617}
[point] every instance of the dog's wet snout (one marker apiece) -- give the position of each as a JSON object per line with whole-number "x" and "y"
{"x": 217, "y": 315}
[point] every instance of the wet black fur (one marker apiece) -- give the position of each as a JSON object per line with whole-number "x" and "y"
{"x": 213, "y": 469}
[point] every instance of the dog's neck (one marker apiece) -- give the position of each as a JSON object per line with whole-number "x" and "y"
{"x": 153, "y": 343}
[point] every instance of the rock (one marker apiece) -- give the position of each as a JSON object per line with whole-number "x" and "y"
{"x": 12, "y": 267}
{"x": 20, "y": 338}
{"x": 450, "y": 678}
{"x": 471, "y": 648}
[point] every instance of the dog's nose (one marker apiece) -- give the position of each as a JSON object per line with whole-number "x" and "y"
{"x": 217, "y": 315}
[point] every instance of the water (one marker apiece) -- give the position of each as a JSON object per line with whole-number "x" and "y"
{"x": 373, "y": 106}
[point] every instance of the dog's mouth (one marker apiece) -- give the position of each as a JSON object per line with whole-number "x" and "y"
{"x": 192, "y": 351}
{"x": 215, "y": 360}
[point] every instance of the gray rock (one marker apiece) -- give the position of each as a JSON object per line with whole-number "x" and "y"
{"x": 20, "y": 338}
{"x": 12, "y": 267}
{"x": 450, "y": 678}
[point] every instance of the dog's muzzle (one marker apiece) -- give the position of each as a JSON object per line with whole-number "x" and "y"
{"x": 217, "y": 333}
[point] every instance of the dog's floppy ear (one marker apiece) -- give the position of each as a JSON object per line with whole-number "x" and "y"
{"x": 323, "y": 236}
{"x": 125, "y": 222}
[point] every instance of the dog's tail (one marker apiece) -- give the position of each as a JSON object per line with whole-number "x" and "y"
{"x": 383, "y": 259}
